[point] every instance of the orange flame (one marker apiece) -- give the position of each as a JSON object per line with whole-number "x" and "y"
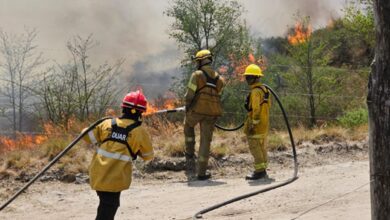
{"x": 22, "y": 141}
{"x": 301, "y": 34}
{"x": 240, "y": 65}
{"x": 168, "y": 101}
{"x": 223, "y": 69}
{"x": 331, "y": 23}
{"x": 150, "y": 109}
{"x": 251, "y": 58}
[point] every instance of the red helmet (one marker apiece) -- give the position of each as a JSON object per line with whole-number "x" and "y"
{"x": 135, "y": 100}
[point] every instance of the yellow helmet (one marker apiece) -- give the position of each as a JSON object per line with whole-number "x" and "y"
{"x": 202, "y": 54}
{"x": 253, "y": 70}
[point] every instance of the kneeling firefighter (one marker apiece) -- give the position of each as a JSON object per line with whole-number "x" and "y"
{"x": 256, "y": 126}
{"x": 203, "y": 106}
{"x": 119, "y": 141}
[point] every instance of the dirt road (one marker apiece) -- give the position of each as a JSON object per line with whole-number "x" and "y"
{"x": 333, "y": 191}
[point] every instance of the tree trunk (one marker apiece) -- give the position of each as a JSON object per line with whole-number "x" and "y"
{"x": 309, "y": 73}
{"x": 13, "y": 103}
{"x": 378, "y": 102}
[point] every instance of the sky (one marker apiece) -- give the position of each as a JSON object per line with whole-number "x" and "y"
{"x": 136, "y": 30}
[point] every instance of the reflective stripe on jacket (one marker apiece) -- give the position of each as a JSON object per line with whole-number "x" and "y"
{"x": 111, "y": 166}
{"x": 204, "y": 97}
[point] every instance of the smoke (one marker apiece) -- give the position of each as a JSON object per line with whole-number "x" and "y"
{"x": 136, "y": 30}
{"x": 272, "y": 18}
{"x": 155, "y": 81}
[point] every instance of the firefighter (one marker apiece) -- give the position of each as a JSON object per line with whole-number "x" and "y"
{"x": 203, "y": 106}
{"x": 119, "y": 141}
{"x": 256, "y": 126}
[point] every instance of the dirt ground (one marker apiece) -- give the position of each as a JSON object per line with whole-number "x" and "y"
{"x": 333, "y": 184}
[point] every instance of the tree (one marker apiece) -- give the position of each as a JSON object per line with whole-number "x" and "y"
{"x": 21, "y": 62}
{"x": 378, "y": 102}
{"x": 359, "y": 26}
{"x": 78, "y": 89}
{"x": 309, "y": 74}
{"x": 359, "y": 19}
{"x": 209, "y": 24}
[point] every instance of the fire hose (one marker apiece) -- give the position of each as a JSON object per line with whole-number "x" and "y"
{"x": 292, "y": 179}
{"x": 288, "y": 181}
{"x": 52, "y": 162}
{"x": 198, "y": 214}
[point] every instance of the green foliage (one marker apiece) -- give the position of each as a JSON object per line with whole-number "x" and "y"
{"x": 315, "y": 78}
{"x": 359, "y": 19}
{"x": 354, "y": 118}
{"x": 208, "y": 24}
{"x": 233, "y": 99}
{"x": 212, "y": 24}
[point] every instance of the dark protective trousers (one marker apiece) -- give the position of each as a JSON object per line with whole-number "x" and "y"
{"x": 109, "y": 203}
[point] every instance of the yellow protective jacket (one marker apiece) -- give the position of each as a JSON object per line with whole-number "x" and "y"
{"x": 111, "y": 166}
{"x": 258, "y": 113}
{"x": 204, "y": 92}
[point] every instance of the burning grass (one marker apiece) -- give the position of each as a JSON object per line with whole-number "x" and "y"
{"x": 168, "y": 141}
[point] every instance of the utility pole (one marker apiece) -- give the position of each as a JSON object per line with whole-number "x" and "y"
{"x": 378, "y": 102}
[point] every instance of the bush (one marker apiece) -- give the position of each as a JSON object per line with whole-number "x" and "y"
{"x": 354, "y": 118}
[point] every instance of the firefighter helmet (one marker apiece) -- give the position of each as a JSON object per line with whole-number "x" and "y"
{"x": 253, "y": 70}
{"x": 135, "y": 100}
{"x": 203, "y": 54}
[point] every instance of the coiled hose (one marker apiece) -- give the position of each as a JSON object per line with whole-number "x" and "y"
{"x": 292, "y": 179}
{"x": 52, "y": 162}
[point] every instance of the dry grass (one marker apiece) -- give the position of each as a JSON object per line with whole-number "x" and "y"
{"x": 219, "y": 151}
{"x": 278, "y": 141}
{"x": 167, "y": 139}
{"x": 358, "y": 133}
{"x": 332, "y": 133}
{"x": 33, "y": 158}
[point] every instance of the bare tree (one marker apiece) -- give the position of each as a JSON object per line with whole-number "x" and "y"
{"x": 378, "y": 102}
{"x": 78, "y": 88}
{"x": 20, "y": 62}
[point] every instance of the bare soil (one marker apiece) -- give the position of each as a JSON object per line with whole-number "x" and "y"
{"x": 333, "y": 184}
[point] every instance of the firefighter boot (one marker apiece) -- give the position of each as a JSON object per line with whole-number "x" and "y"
{"x": 206, "y": 176}
{"x": 257, "y": 175}
{"x": 203, "y": 174}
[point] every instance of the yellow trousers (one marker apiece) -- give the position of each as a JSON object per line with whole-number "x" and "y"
{"x": 259, "y": 152}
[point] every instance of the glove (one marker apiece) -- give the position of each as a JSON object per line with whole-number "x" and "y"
{"x": 251, "y": 126}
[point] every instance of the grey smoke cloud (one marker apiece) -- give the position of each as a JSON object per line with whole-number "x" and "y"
{"x": 271, "y": 17}
{"x": 137, "y": 29}
{"x": 129, "y": 29}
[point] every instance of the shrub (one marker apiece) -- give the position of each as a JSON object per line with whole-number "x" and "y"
{"x": 354, "y": 118}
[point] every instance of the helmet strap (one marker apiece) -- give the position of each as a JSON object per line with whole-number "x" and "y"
{"x": 204, "y": 62}
{"x": 252, "y": 79}
{"x": 131, "y": 113}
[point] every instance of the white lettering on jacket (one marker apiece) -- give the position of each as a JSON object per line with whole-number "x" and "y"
{"x": 118, "y": 136}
